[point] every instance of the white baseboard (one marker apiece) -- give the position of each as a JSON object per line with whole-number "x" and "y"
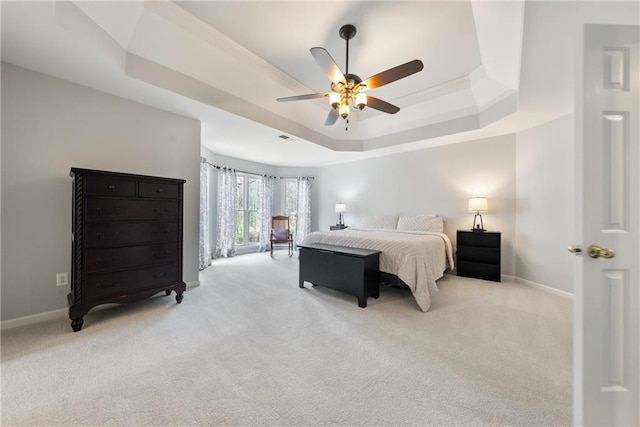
{"x": 55, "y": 314}
{"x": 545, "y": 288}
{"x": 507, "y": 278}
{"x": 34, "y": 318}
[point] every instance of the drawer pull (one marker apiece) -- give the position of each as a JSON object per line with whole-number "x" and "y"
{"x": 111, "y": 187}
{"x": 107, "y": 285}
{"x": 108, "y": 236}
{"x": 158, "y": 276}
{"x": 107, "y": 211}
{"x": 162, "y": 232}
{"x": 108, "y": 261}
{"x": 164, "y": 211}
{"x": 159, "y": 190}
{"x": 161, "y": 254}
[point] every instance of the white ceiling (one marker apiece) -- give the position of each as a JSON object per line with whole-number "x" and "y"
{"x": 225, "y": 63}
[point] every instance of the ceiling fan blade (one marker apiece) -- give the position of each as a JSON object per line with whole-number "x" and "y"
{"x": 380, "y": 105}
{"x": 301, "y": 97}
{"x": 393, "y": 74}
{"x": 328, "y": 65}
{"x": 332, "y": 117}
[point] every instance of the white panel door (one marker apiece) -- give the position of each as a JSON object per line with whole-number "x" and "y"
{"x": 607, "y": 289}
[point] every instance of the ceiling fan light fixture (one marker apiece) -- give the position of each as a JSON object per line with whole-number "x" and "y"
{"x": 335, "y": 99}
{"x": 361, "y": 101}
{"x": 348, "y": 88}
{"x": 344, "y": 110}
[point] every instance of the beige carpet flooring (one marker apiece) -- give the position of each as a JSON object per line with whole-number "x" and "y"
{"x": 248, "y": 347}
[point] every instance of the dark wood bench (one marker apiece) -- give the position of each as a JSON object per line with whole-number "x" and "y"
{"x": 354, "y": 271}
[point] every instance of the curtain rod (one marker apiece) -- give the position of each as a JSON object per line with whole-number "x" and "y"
{"x": 203, "y": 160}
{"x": 296, "y": 177}
{"x": 237, "y": 170}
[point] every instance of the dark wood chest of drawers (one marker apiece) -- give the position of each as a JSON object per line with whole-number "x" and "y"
{"x": 126, "y": 239}
{"x": 478, "y": 255}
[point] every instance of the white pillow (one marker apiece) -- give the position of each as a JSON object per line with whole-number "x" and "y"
{"x": 430, "y": 223}
{"x": 388, "y": 222}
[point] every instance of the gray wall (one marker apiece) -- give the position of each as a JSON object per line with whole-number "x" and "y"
{"x": 545, "y": 203}
{"x": 50, "y": 125}
{"x": 435, "y": 180}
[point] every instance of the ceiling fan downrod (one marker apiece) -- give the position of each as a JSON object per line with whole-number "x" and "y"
{"x": 347, "y": 32}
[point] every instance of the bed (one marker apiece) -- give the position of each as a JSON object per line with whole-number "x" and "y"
{"x": 414, "y": 250}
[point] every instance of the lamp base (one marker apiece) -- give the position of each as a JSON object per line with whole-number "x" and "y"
{"x": 478, "y": 227}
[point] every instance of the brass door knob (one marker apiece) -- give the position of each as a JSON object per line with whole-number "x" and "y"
{"x": 596, "y": 251}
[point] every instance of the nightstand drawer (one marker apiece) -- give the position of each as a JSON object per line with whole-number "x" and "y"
{"x": 479, "y": 270}
{"x": 484, "y": 240}
{"x": 477, "y": 254}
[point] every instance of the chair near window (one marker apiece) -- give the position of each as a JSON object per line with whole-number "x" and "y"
{"x": 280, "y": 234}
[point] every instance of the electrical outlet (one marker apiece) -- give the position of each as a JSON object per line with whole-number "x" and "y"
{"x": 62, "y": 279}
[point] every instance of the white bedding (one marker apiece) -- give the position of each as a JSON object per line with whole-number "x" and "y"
{"x": 417, "y": 258}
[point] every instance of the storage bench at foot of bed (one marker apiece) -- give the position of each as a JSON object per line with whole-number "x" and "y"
{"x": 354, "y": 271}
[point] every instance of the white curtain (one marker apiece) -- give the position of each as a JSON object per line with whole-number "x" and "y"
{"x": 205, "y": 217}
{"x": 265, "y": 211}
{"x": 227, "y": 215}
{"x": 303, "y": 214}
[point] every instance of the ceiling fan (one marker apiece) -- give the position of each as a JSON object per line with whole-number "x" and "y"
{"x": 349, "y": 88}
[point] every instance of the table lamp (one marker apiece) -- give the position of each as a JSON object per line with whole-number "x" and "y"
{"x": 340, "y": 209}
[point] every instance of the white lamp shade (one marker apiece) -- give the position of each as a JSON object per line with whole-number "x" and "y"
{"x": 478, "y": 204}
{"x": 341, "y": 208}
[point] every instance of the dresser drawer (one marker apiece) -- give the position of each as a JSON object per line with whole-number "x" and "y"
{"x": 107, "y": 284}
{"x": 130, "y": 256}
{"x": 110, "y": 186}
{"x": 158, "y": 190}
{"x": 124, "y": 209}
{"x": 130, "y": 233}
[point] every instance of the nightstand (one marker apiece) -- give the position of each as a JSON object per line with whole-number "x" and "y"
{"x": 337, "y": 227}
{"x": 478, "y": 255}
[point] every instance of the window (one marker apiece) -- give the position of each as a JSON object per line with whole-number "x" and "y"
{"x": 247, "y": 227}
{"x": 291, "y": 201}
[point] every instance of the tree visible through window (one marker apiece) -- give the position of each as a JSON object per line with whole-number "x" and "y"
{"x": 291, "y": 201}
{"x": 248, "y": 227}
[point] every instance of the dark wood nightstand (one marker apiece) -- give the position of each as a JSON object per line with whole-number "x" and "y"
{"x": 337, "y": 227}
{"x": 478, "y": 255}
